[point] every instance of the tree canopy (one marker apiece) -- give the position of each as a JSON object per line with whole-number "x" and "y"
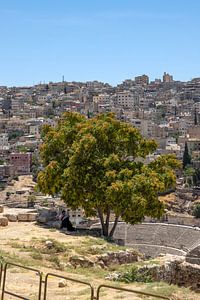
{"x": 99, "y": 164}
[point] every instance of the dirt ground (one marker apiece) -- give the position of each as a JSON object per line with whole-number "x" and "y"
{"x": 25, "y": 232}
{"x": 26, "y": 283}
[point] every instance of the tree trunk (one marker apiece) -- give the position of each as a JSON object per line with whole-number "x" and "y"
{"x": 114, "y": 226}
{"x": 105, "y": 225}
{"x": 100, "y": 213}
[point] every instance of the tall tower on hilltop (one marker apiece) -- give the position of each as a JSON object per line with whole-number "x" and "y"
{"x": 167, "y": 78}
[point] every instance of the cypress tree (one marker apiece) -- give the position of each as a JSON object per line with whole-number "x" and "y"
{"x": 175, "y": 111}
{"x": 195, "y": 117}
{"x": 186, "y": 156}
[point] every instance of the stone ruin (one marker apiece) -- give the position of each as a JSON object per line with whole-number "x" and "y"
{"x": 16, "y": 215}
{"x": 177, "y": 271}
{"x": 193, "y": 256}
{"x": 46, "y": 215}
{"x": 106, "y": 259}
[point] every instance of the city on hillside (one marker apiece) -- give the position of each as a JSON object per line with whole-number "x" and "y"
{"x": 164, "y": 109}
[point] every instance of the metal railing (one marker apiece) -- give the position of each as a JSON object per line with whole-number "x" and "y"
{"x": 127, "y": 290}
{"x": 4, "y": 291}
{"x": 3, "y": 274}
{"x": 68, "y": 279}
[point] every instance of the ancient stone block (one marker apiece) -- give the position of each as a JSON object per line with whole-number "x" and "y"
{"x": 23, "y": 217}
{"x": 46, "y": 214}
{"x": 11, "y": 217}
{"x": 32, "y": 217}
{"x": 3, "y": 221}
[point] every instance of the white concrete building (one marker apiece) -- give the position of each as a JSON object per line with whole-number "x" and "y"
{"x": 101, "y": 99}
{"x": 34, "y": 130}
{"x": 4, "y": 144}
{"x": 127, "y": 99}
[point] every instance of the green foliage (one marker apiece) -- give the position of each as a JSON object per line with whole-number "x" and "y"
{"x": 186, "y": 157}
{"x": 191, "y": 175}
{"x": 189, "y": 171}
{"x": 22, "y": 149}
{"x": 196, "y": 211}
{"x": 97, "y": 164}
{"x": 135, "y": 275}
{"x": 55, "y": 260}
{"x": 196, "y": 177}
{"x": 35, "y": 166}
{"x": 2, "y": 161}
{"x": 31, "y": 200}
{"x": 15, "y": 134}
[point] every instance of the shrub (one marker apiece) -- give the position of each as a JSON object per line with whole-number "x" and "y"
{"x": 135, "y": 275}
{"x": 196, "y": 211}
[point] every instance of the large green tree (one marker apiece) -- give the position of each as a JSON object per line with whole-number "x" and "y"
{"x": 99, "y": 164}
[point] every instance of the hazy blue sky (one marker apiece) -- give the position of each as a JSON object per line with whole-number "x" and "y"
{"x": 107, "y": 40}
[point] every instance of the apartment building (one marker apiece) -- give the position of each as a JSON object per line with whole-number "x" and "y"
{"x": 101, "y": 98}
{"x": 127, "y": 99}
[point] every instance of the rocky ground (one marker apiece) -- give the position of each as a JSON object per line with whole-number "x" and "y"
{"x": 74, "y": 255}
{"x": 180, "y": 202}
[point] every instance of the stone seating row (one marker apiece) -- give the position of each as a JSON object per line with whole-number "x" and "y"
{"x": 175, "y": 236}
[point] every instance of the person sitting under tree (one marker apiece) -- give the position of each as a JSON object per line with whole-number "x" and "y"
{"x": 65, "y": 222}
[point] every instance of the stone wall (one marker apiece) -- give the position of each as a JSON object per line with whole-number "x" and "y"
{"x": 177, "y": 272}
{"x": 178, "y": 219}
{"x": 172, "y": 269}
{"x": 17, "y": 215}
{"x": 186, "y": 220}
{"x": 107, "y": 259}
